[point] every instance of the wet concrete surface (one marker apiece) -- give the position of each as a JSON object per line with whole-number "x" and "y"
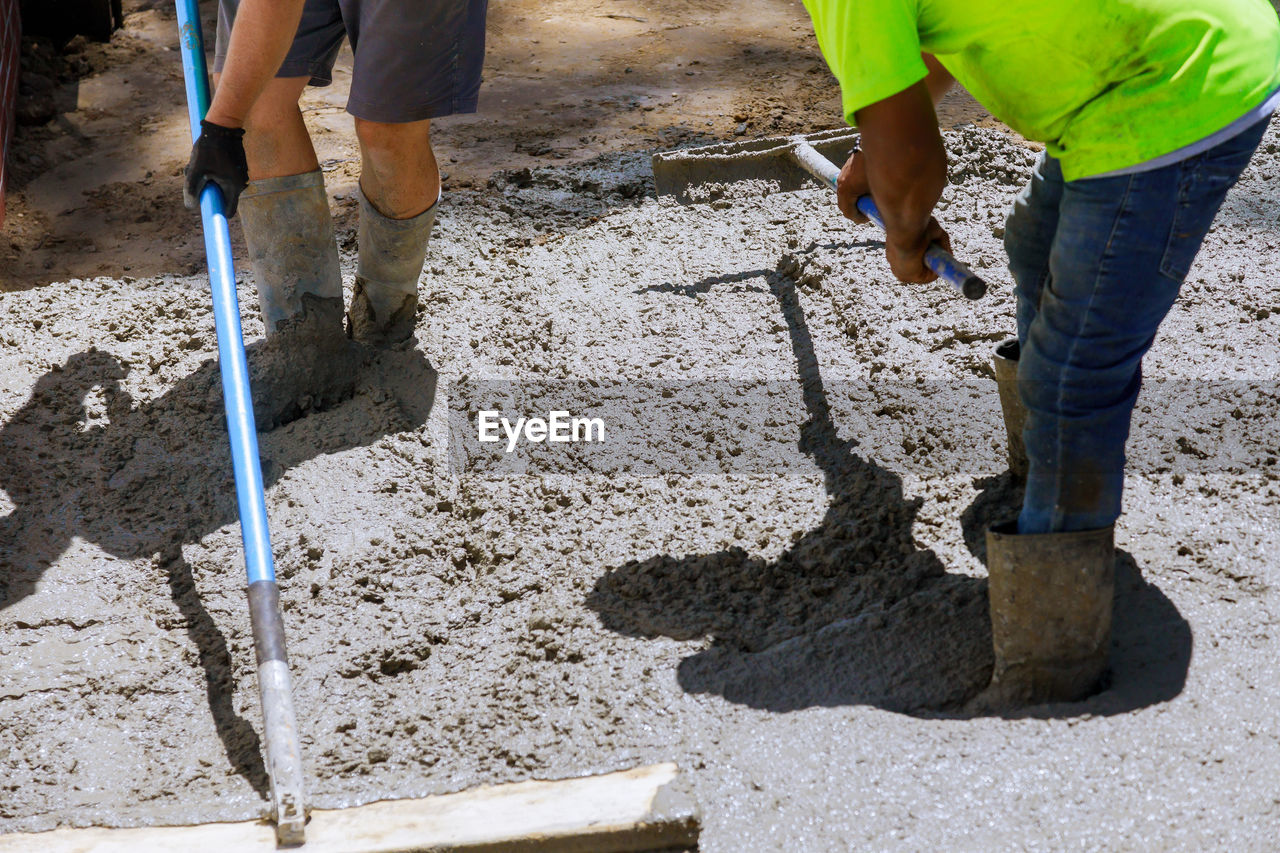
{"x": 795, "y": 635}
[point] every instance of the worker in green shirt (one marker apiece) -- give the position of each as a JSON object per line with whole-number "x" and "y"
{"x": 1149, "y": 110}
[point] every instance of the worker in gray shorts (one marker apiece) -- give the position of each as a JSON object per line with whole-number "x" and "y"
{"x": 415, "y": 60}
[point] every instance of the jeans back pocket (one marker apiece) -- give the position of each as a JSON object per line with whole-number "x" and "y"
{"x": 1204, "y": 182}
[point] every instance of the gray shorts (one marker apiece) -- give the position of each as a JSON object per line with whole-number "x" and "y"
{"x": 414, "y": 59}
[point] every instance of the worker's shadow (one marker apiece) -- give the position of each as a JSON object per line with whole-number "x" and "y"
{"x": 80, "y": 459}
{"x": 853, "y": 612}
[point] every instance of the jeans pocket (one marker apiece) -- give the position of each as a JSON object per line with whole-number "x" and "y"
{"x": 1203, "y": 185}
{"x": 1200, "y": 194}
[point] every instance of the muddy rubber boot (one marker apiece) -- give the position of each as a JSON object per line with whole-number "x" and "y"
{"x": 385, "y": 303}
{"x": 1050, "y": 600}
{"x": 1005, "y": 359}
{"x": 292, "y": 251}
{"x": 306, "y": 363}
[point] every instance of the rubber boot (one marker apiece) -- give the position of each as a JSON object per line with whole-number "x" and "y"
{"x": 306, "y": 363}
{"x": 292, "y": 250}
{"x": 1050, "y": 601}
{"x": 1015, "y": 413}
{"x": 385, "y": 303}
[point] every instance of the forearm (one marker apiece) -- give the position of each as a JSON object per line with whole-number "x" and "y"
{"x": 260, "y": 40}
{"x": 906, "y": 183}
{"x": 906, "y": 162}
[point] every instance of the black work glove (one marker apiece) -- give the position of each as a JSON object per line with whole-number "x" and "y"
{"x": 217, "y": 158}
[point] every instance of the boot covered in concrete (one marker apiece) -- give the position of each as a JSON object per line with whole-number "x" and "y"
{"x": 1015, "y": 413}
{"x": 306, "y": 363}
{"x": 1050, "y": 601}
{"x": 385, "y": 303}
{"x": 292, "y": 251}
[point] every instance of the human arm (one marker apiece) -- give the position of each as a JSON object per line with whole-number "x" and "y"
{"x": 939, "y": 81}
{"x": 903, "y": 165}
{"x": 260, "y": 40}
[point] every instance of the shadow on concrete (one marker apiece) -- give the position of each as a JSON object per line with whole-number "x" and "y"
{"x": 239, "y": 740}
{"x": 705, "y": 285}
{"x": 81, "y": 460}
{"x": 854, "y": 613}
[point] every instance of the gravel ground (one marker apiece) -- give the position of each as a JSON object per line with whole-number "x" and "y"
{"x": 770, "y": 571}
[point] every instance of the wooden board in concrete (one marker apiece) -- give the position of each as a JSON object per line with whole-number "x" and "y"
{"x": 631, "y": 810}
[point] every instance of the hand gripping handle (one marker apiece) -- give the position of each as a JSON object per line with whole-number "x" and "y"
{"x": 936, "y": 258}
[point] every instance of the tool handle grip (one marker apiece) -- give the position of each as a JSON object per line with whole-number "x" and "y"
{"x": 936, "y": 258}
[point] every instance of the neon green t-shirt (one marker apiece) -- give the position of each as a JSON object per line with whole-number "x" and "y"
{"x": 1105, "y": 84}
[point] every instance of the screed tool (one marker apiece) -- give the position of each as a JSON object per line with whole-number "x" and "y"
{"x": 787, "y": 163}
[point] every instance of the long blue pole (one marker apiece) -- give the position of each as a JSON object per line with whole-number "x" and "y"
{"x": 284, "y": 753}
{"x": 226, "y": 314}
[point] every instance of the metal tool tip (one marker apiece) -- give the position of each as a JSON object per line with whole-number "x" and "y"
{"x": 973, "y": 287}
{"x": 291, "y": 834}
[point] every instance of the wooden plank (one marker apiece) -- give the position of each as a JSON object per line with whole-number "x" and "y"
{"x": 631, "y": 810}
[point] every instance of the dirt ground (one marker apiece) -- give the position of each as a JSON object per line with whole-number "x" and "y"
{"x": 772, "y": 570}
{"x": 93, "y": 191}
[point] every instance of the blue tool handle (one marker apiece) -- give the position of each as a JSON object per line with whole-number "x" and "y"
{"x": 275, "y": 685}
{"x": 226, "y": 313}
{"x": 936, "y": 258}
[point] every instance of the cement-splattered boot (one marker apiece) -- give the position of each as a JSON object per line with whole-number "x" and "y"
{"x": 1050, "y": 600}
{"x": 385, "y": 303}
{"x": 306, "y": 363}
{"x": 1015, "y": 414}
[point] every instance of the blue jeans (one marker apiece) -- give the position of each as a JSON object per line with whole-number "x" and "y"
{"x": 1098, "y": 263}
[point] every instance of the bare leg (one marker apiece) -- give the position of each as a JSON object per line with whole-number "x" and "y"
{"x": 276, "y": 142}
{"x": 307, "y": 362}
{"x": 399, "y": 175}
{"x": 399, "y": 185}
